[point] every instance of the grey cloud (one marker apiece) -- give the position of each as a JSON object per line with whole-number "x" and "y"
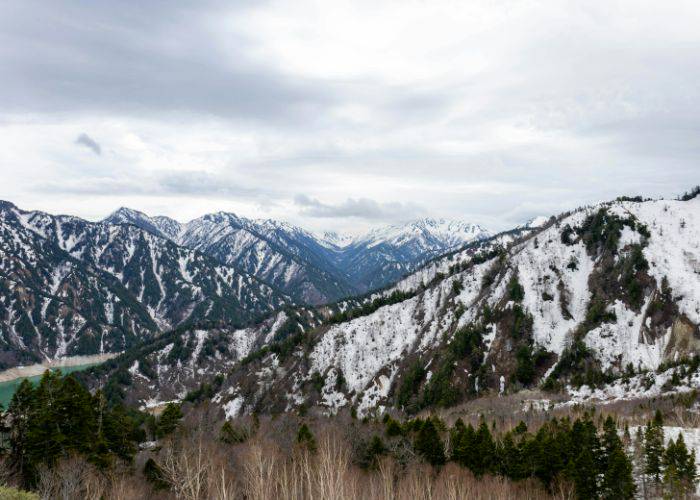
{"x": 196, "y": 184}
{"x": 570, "y": 113}
{"x": 140, "y": 58}
{"x": 90, "y": 143}
{"x": 363, "y": 208}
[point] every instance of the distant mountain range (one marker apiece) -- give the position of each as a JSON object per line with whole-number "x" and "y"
{"x": 69, "y": 286}
{"x": 310, "y": 268}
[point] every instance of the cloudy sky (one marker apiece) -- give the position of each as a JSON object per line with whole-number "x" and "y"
{"x": 347, "y": 114}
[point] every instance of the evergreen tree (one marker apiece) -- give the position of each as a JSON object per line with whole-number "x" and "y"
{"x": 154, "y": 475}
{"x": 59, "y": 417}
{"x": 463, "y": 439}
{"x": 680, "y": 476}
{"x": 654, "y": 447}
{"x": 371, "y": 453}
{"x": 618, "y": 482}
{"x": 484, "y": 450}
{"x": 169, "y": 420}
{"x": 509, "y": 457}
{"x": 20, "y": 412}
{"x": 525, "y": 368}
{"x": 231, "y": 434}
{"x": 393, "y": 428}
{"x": 617, "y": 468}
{"x": 429, "y": 445}
{"x": 584, "y": 467}
{"x": 305, "y": 438}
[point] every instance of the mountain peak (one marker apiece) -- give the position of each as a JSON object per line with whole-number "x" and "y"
{"x": 534, "y": 222}
{"x": 334, "y": 239}
{"x": 435, "y": 233}
{"x": 160, "y": 225}
{"x": 124, "y": 215}
{"x": 7, "y": 205}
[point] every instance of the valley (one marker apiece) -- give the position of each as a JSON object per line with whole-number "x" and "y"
{"x": 576, "y": 318}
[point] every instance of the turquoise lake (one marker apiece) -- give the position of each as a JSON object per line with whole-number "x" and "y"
{"x": 7, "y": 389}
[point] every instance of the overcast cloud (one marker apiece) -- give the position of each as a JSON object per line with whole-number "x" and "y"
{"x": 363, "y": 208}
{"x": 347, "y": 114}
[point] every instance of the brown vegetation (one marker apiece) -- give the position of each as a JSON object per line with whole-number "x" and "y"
{"x": 271, "y": 464}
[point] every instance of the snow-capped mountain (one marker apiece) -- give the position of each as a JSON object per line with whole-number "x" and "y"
{"x": 312, "y": 269}
{"x": 385, "y": 255}
{"x": 68, "y": 286}
{"x": 592, "y": 294}
{"x": 335, "y": 240}
{"x": 535, "y": 222}
{"x": 283, "y": 255}
{"x": 602, "y": 296}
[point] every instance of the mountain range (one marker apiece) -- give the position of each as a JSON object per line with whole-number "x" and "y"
{"x": 601, "y": 302}
{"x": 590, "y": 302}
{"x": 310, "y": 268}
{"x": 69, "y": 286}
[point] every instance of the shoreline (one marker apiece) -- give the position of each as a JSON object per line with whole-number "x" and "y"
{"x": 39, "y": 368}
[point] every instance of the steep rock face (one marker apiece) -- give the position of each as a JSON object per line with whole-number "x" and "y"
{"x": 584, "y": 298}
{"x": 74, "y": 287}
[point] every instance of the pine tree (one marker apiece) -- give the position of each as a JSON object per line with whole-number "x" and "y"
{"x": 20, "y": 410}
{"x": 231, "y": 434}
{"x": 169, "y": 420}
{"x": 509, "y": 459}
{"x": 618, "y": 482}
{"x": 654, "y": 448}
{"x": 374, "y": 449}
{"x": 584, "y": 475}
{"x": 429, "y": 445}
{"x": 584, "y": 465}
{"x": 59, "y": 417}
{"x": 393, "y": 428}
{"x": 463, "y": 441}
{"x": 154, "y": 475}
{"x": 686, "y": 466}
{"x": 680, "y": 476}
{"x": 484, "y": 450}
{"x": 305, "y": 438}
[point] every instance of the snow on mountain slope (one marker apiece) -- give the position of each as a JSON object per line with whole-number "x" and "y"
{"x": 334, "y": 240}
{"x": 620, "y": 279}
{"x": 312, "y": 269}
{"x": 283, "y": 255}
{"x": 425, "y": 235}
{"x": 190, "y": 362}
{"x": 386, "y": 255}
{"x": 75, "y": 287}
{"x": 160, "y": 226}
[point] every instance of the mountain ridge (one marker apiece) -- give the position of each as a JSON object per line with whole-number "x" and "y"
{"x": 69, "y": 286}
{"x": 593, "y": 299}
{"x": 314, "y": 269}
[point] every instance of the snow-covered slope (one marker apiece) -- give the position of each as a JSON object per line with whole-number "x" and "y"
{"x": 313, "y": 269}
{"x": 387, "y": 254}
{"x": 69, "y": 286}
{"x": 587, "y": 297}
{"x": 191, "y": 360}
{"x": 283, "y": 255}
